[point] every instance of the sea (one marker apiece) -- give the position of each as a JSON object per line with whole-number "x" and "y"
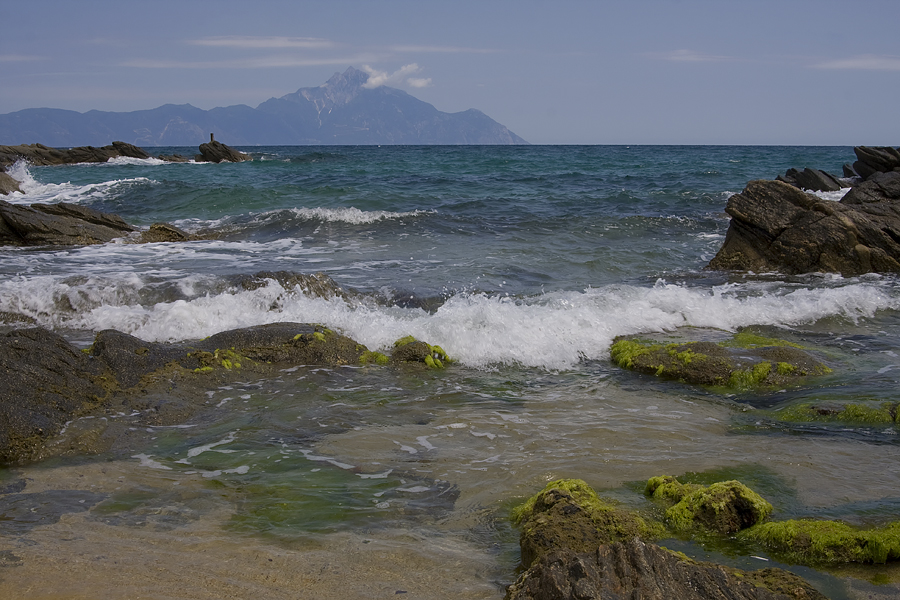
{"x": 523, "y": 263}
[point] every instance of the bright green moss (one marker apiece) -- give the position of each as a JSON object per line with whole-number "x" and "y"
{"x": 811, "y": 542}
{"x": 784, "y": 368}
{"x": 373, "y": 358}
{"x": 623, "y": 352}
{"x": 883, "y": 414}
{"x": 408, "y": 339}
{"x": 723, "y": 507}
{"x": 750, "y": 340}
{"x": 743, "y": 379}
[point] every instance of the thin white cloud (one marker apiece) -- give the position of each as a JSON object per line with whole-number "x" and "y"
{"x": 245, "y": 41}
{"x": 402, "y": 75}
{"x": 687, "y": 56}
{"x": 19, "y": 58}
{"x": 443, "y": 49}
{"x": 266, "y": 62}
{"x": 864, "y": 62}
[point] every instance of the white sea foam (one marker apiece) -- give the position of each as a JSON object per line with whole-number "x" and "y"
{"x": 143, "y": 162}
{"x": 34, "y": 191}
{"x": 553, "y": 331}
{"x": 833, "y": 196}
{"x": 352, "y": 215}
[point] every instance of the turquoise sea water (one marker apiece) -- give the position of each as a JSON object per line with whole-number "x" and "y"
{"x": 523, "y": 263}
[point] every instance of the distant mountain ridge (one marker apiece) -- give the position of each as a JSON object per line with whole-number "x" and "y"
{"x": 341, "y": 111}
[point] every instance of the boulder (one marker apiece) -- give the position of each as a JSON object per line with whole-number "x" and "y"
{"x": 636, "y": 569}
{"x": 776, "y": 227}
{"x": 164, "y": 232}
{"x": 8, "y": 185}
{"x": 217, "y": 152}
{"x": 871, "y": 160}
{"x": 57, "y": 224}
{"x": 811, "y": 179}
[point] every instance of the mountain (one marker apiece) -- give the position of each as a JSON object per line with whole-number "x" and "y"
{"x": 341, "y": 111}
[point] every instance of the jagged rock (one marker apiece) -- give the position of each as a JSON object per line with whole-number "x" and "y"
{"x": 175, "y": 158}
{"x": 871, "y": 160}
{"x": 57, "y": 224}
{"x": 635, "y": 569}
{"x": 776, "y": 227}
{"x": 725, "y": 507}
{"x": 811, "y": 179}
{"x": 217, "y": 152}
{"x": 317, "y": 285}
{"x": 38, "y": 154}
{"x": 44, "y": 383}
{"x": 8, "y": 185}
{"x": 164, "y": 232}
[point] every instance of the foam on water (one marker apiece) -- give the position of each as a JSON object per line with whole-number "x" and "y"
{"x": 551, "y": 331}
{"x": 34, "y": 191}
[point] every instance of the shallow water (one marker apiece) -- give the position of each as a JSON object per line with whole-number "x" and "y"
{"x": 361, "y": 482}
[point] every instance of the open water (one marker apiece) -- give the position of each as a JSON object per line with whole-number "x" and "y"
{"x": 523, "y": 263}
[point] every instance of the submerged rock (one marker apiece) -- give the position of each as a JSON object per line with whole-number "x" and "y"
{"x": 410, "y": 350}
{"x": 815, "y": 543}
{"x": 776, "y": 227}
{"x": 743, "y": 362}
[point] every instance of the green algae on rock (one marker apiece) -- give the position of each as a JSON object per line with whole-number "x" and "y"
{"x": 812, "y": 542}
{"x": 725, "y": 507}
{"x": 884, "y": 413}
{"x": 568, "y": 513}
{"x": 743, "y": 362}
{"x": 410, "y": 350}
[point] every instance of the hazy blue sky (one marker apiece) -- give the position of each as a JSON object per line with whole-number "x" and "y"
{"x": 570, "y": 72}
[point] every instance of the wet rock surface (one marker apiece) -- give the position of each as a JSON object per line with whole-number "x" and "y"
{"x": 777, "y": 227}
{"x": 59, "y": 224}
{"x": 218, "y": 152}
{"x": 45, "y": 382}
{"x": 41, "y": 155}
{"x": 576, "y": 545}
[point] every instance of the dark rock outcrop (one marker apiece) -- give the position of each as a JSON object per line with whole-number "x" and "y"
{"x": 217, "y": 152}
{"x": 39, "y": 154}
{"x": 871, "y": 160}
{"x": 811, "y": 179}
{"x": 776, "y": 227}
{"x": 8, "y": 185}
{"x": 635, "y": 569}
{"x": 44, "y": 383}
{"x": 57, "y": 224}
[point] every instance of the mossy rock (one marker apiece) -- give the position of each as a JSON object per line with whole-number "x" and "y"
{"x": 410, "y": 350}
{"x": 569, "y": 514}
{"x": 814, "y": 543}
{"x": 725, "y": 507}
{"x": 741, "y": 362}
{"x": 884, "y": 413}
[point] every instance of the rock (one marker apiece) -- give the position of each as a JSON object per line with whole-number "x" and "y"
{"x": 175, "y": 158}
{"x": 636, "y": 569}
{"x": 410, "y": 350}
{"x": 44, "y": 383}
{"x": 8, "y": 185}
{"x": 57, "y": 224}
{"x": 811, "y": 179}
{"x": 568, "y": 514}
{"x": 38, "y": 154}
{"x": 871, "y": 160}
{"x": 776, "y": 227}
{"x": 317, "y": 285}
{"x": 822, "y": 542}
{"x": 848, "y": 171}
{"x": 217, "y": 152}
{"x": 740, "y": 362}
{"x": 164, "y": 232}
{"x": 724, "y": 507}
{"x": 576, "y": 546}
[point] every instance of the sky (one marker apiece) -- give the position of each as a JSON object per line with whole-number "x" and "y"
{"x": 787, "y": 72}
